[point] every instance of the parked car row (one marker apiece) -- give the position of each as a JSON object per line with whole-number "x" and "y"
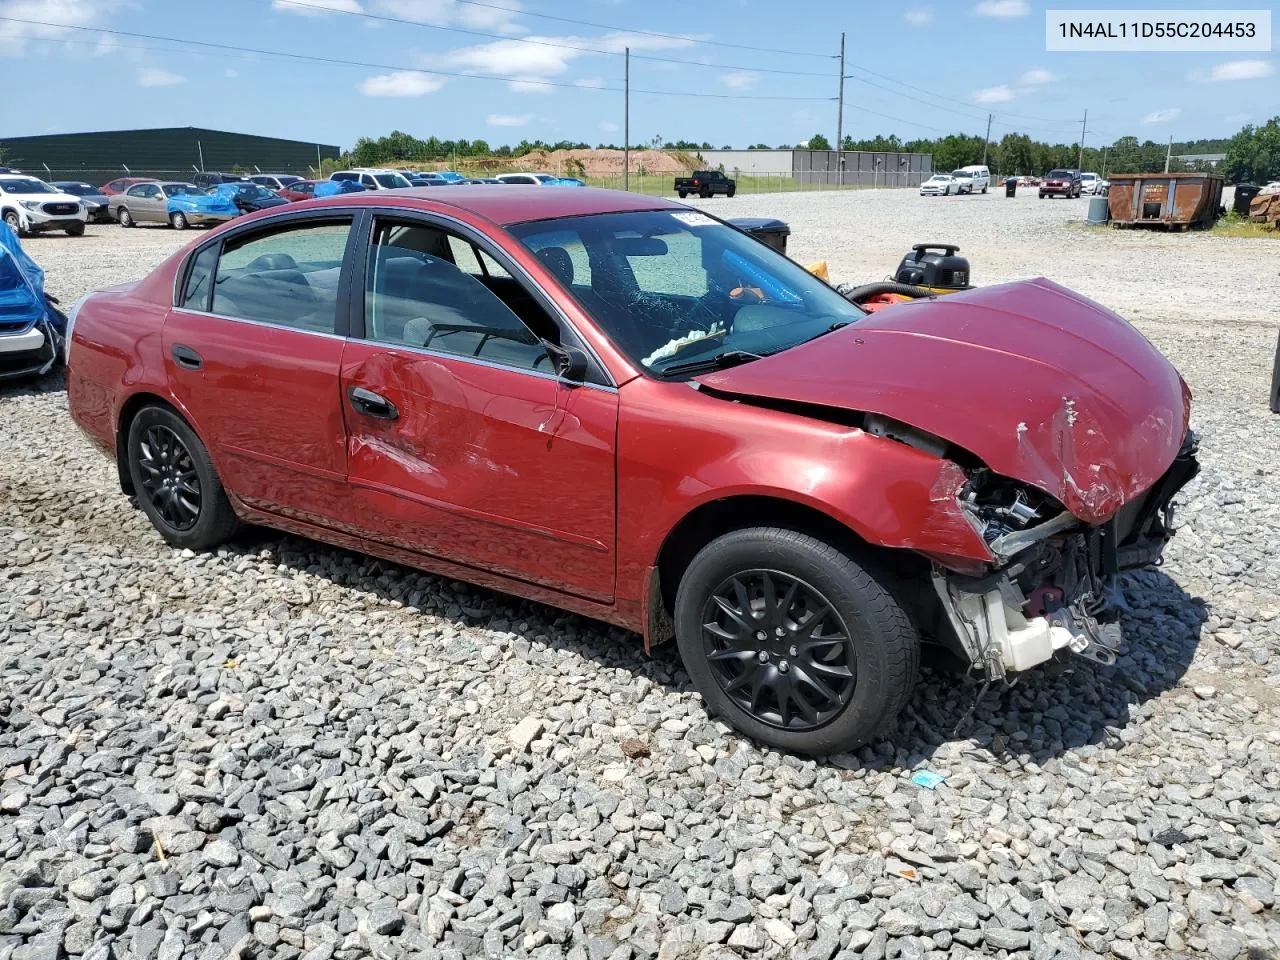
{"x": 974, "y": 179}
{"x": 30, "y": 205}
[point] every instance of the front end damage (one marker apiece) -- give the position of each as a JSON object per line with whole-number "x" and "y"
{"x": 1054, "y": 584}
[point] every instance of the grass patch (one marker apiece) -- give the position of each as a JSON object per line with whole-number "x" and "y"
{"x": 1234, "y": 225}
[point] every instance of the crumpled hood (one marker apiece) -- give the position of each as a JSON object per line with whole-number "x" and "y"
{"x": 1042, "y": 384}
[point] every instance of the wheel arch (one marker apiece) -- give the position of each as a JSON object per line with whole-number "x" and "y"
{"x": 128, "y": 410}
{"x": 715, "y": 518}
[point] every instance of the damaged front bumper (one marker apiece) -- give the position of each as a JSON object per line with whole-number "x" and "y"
{"x": 1055, "y": 586}
{"x": 31, "y": 352}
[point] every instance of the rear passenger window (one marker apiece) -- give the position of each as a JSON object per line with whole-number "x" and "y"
{"x": 195, "y": 295}
{"x": 417, "y": 296}
{"x": 286, "y": 277}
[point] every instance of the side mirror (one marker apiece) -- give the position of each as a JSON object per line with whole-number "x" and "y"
{"x": 569, "y": 362}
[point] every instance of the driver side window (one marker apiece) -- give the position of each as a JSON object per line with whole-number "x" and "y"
{"x": 418, "y": 296}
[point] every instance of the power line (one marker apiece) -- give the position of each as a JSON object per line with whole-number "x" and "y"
{"x": 337, "y": 61}
{"x": 964, "y": 103}
{"x": 603, "y": 26}
{"x": 403, "y": 21}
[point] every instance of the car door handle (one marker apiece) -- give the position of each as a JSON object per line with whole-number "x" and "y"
{"x": 372, "y": 404}
{"x": 184, "y": 356}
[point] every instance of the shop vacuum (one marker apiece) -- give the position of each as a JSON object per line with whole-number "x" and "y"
{"x": 935, "y": 267}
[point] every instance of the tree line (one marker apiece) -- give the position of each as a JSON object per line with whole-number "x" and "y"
{"x": 1252, "y": 154}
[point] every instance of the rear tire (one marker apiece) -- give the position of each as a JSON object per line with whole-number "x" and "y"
{"x": 682, "y": 193}
{"x": 178, "y": 221}
{"x": 832, "y": 635}
{"x": 76, "y": 231}
{"x": 126, "y": 218}
{"x": 705, "y": 194}
{"x": 175, "y": 483}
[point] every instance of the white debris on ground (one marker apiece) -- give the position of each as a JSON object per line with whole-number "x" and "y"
{"x": 284, "y": 750}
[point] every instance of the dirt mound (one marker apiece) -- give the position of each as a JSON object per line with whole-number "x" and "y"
{"x": 601, "y": 163}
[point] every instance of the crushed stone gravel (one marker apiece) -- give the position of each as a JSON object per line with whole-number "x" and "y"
{"x": 283, "y": 750}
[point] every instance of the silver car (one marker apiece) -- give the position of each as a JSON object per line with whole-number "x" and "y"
{"x": 178, "y": 204}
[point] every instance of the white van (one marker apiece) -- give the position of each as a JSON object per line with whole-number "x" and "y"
{"x": 973, "y": 179}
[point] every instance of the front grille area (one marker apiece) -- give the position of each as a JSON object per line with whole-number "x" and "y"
{"x": 61, "y": 209}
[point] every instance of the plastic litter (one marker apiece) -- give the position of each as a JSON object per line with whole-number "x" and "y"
{"x": 898, "y": 868}
{"x": 927, "y": 779}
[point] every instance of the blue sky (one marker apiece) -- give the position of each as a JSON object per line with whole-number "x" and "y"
{"x": 920, "y": 68}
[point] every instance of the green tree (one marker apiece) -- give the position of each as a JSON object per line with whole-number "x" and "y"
{"x": 1253, "y": 154}
{"x": 819, "y": 142}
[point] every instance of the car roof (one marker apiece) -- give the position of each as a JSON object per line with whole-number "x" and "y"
{"x": 519, "y": 204}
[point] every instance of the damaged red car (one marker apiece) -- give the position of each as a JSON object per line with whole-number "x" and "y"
{"x": 624, "y": 407}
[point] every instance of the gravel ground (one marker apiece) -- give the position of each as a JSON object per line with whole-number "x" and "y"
{"x": 287, "y": 750}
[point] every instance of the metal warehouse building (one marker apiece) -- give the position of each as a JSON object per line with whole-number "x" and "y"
{"x": 167, "y": 152}
{"x": 826, "y": 167}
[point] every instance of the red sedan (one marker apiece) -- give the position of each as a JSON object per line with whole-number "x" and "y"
{"x": 299, "y": 190}
{"x": 623, "y": 407}
{"x": 121, "y": 184}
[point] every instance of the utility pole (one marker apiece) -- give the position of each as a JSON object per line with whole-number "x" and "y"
{"x": 626, "y": 122}
{"x": 1083, "y": 123}
{"x": 1104, "y": 163}
{"x": 1168, "y": 154}
{"x": 840, "y": 119}
{"x": 986, "y": 141}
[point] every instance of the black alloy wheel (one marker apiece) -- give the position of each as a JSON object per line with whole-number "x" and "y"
{"x": 169, "y": 478}
{"x": 778, "y": 649}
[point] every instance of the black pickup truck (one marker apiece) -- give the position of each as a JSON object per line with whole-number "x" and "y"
{"x": 705, "y": 183}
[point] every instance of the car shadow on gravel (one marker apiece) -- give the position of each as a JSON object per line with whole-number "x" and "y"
{"x": 1047, "y": 712}
{"x": 1064, "y": 705}
{"x": 55, "y": 381}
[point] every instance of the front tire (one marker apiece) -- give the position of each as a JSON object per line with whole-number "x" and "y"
{"x": 76, "y": 230}
{"x": 126, "y": 218}
{"x": 175, "y": 483}
{"x": 13, "y": 221}
{"x": 793, "y": 642}
{"x": 731, "y": 191}
{"x": 683, "y": 193}
{"x": 178, "y": 221}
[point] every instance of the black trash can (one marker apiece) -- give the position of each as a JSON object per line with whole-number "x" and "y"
{"x": 1245, "y": 192}
{"x": 765, "y": 229}
{"x": 1011, "y": 187}
{"x": 1275, "y": 381}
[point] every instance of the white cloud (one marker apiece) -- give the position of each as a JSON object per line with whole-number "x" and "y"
{"x": 608, "y": 126}
{"x": 1002, "y": 8}
{"x": 158, "y": 77}
{"x": 80, "y": 13}
{"x": 317, "y": 8}
{"x": 230, "y": 74}
{"x": 531, "y": 64}
{"x": 919, "y": 17}
{"x": 402, "y": 83}
{"x": 1037, "y": 78}
{"x": 740, "y": 79}
{"x": 508, "y": 119}
{"x": 1001, "y": 94}
{"x": 591, "y": 83}
{"x": 1236, "y": 70}
{"x": 450, "y": 13}
{"x": 1162, "y": 116}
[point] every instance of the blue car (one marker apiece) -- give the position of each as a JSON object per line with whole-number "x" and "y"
{"x": 452, "y": 176}
{"x": 248, "y": 197}
{"x": 331, "y": 188}
{"x": 179, "y": 204}
{"x": 32, "y": 329}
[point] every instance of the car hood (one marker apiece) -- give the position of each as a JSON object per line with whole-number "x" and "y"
{"x": 1040, "y": 383}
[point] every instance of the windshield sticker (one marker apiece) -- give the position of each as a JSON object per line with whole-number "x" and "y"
{"x": 691, "y": 218}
